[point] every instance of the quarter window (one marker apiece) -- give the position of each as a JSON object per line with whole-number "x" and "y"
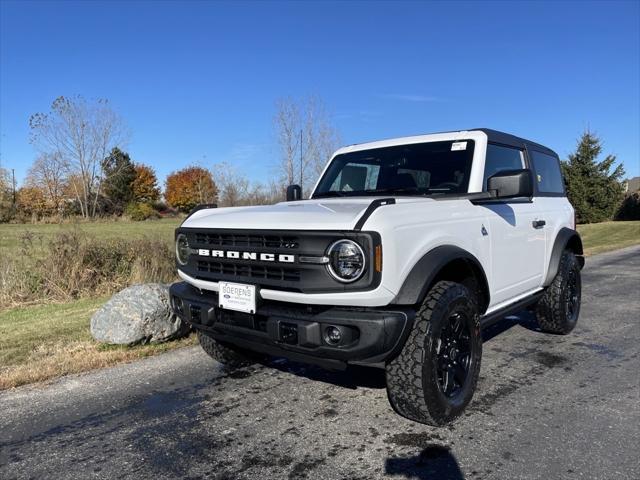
{"x": 501, "y": 158}
{"x": 547, "y": 170}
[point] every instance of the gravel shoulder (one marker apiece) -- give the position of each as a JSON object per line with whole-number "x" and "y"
{"x": 546, "y": 407}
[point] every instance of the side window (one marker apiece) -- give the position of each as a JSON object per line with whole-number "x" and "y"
{"x": 501, "y": 158}
{"x": 547, "y": 171}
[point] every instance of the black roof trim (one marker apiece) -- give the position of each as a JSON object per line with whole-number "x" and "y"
{"x": 496, "y": 136}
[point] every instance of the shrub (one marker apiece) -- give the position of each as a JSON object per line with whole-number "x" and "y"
{"x": 77, "y": 265}
{"x": 630, "y": 208}
{"x": 141, "y": 211}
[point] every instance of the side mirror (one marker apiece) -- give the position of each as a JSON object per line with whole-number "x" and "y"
{"x": 294, "y": 192}
{"x": 511, "y": 184}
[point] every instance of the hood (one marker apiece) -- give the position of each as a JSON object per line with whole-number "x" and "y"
{"x": 325, "y": 214}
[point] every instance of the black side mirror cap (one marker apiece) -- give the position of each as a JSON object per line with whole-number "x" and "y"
{"x": 294, "y": 192}
{"x": 511, "y": 184}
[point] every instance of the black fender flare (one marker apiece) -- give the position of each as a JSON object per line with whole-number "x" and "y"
{"x": 424, "y": 272}
{"x": 566, "y": 238}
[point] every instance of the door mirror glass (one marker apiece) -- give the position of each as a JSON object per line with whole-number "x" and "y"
{"x": 511, "y": 184}
{"x": 294, "y": 192}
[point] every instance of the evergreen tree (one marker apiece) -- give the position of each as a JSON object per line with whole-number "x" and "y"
{"x": 595, "y": 191}
{"x": 119, "y": 173}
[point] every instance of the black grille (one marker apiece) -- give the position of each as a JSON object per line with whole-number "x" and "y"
{"x": 252, "y": 240}
{"x": 294, "y": 276}
{"x": 260, "y": 272}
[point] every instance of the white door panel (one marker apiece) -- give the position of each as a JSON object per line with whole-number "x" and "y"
{"x": 518, "y": 249}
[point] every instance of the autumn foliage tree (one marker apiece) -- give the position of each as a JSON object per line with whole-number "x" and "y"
{"x": 32, "y": 201}
{"x": 189, "y": 187}
{"x": 145, "y": 184}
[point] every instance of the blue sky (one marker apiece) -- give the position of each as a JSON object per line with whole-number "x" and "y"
{"x": 197, "y": 81}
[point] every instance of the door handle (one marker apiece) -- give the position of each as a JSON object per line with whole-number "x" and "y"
{"x": 539, "y": 223}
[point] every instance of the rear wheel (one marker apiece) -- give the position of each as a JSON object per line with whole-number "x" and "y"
{"x": 558, "y": 309}
{"x": 435, "y": 375}
{"x": 229, "y": 356}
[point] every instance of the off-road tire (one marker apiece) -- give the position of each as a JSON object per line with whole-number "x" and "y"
{"x": 230, "y": 357}
{"x": 554, "y": 311}
{"x": 412, "y": 378}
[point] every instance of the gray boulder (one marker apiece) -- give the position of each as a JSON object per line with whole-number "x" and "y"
{"x": 137, "y": 314}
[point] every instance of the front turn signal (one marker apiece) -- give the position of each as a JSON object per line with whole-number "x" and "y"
{"x": 378, "y": 259}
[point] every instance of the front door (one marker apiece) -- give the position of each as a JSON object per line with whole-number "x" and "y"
{"x": 517, "y": 244}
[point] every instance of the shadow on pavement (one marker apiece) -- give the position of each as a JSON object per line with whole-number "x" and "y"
{"x": 352, "y": 378}
{"x": 525, "y": 319}
{"x": 435, "y": 462}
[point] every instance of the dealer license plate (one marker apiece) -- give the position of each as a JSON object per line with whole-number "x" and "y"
{"x": 237, "y": 296}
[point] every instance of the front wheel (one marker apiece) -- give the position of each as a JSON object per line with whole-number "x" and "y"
{"x": 558, "y": 309}
{"x": 434, "y": 377}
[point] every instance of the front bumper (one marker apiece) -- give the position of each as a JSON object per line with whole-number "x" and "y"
{"x": 370, "y": 336}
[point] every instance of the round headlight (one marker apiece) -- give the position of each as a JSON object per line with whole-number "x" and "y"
{"x": 182, "y": 249}
{"x": 346, "y": 261}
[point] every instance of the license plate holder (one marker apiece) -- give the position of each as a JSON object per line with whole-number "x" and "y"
{"x": 237, "y": 296}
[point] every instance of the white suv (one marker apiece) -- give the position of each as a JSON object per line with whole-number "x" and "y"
{"x": 405, "y": 249}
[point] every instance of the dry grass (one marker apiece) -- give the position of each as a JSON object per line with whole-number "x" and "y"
{"x": 72, "y": 264}
{"x": 47, "y": 341}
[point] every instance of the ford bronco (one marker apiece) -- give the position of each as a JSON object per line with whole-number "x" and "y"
{"x": 403, "y": 252}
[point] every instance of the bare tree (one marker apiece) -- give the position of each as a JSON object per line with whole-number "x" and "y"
{"x": 80, "y": 133}
{"x": 48, "y": 173}
{"x": 235, "y": 189}
{"x": 306, "y": 137}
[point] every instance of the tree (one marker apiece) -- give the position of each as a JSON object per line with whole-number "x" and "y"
{"x": 6, "y": 196}
{"x": 233, "y": 187}
{"x": 145, "y": 184}
{"x": 189, "y": 187}
{"x": 48, "y": 174}
{"x": 118, "y": 176}
{"x": 80, "y": 133}
{"x": 595, "y": 191}
{"x": 307, "y": 139}
{"x": 32, "y": 201}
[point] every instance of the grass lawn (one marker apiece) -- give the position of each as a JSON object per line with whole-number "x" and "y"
{"x": 10, "y": 234}
{"x": 602, "y": 237}
{"x": 46, "y": 341}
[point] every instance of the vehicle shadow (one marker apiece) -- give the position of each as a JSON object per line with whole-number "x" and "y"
{"x": 434, "y": 462}
{"x": 525, "y": 319}
{"x": 352, "y": 378}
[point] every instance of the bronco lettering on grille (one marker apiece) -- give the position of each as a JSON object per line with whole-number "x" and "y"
{"x": 234, "y": 254}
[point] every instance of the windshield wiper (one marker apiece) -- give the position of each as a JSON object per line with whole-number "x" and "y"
{"x": 331, "y": 193}
{"x": 392, "y": 191}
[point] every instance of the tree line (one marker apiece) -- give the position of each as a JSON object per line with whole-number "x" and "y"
{"x": 82, "y": 169}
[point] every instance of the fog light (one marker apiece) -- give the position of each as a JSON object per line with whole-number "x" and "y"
{"x": 333, "y": 335}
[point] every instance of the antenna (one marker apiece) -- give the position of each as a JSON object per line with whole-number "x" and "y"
{"x": 300, "y": 158}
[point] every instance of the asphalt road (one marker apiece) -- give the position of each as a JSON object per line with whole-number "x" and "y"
{"x": 547, "y": 407}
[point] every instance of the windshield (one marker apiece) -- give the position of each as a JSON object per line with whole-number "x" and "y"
{"x": 417, "y": 169}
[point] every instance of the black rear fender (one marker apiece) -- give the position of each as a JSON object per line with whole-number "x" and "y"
{"x": 567, "y": 239}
